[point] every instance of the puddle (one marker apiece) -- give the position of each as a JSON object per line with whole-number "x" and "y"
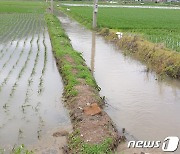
{"x": 136, "y": 100}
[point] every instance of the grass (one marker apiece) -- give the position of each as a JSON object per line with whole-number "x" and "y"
{"x": 22, "y": 6}
{"x": 18, "y": 150}
{"x": 155, "y": 25}
{"x": 80, "y": 147}
{"x": 62, "y": 47}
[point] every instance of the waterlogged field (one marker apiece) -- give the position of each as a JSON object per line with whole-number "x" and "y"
{"x": 30, "y": 85}
{"x": 156, "y": 25}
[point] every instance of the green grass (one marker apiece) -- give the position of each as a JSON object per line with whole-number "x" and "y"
{"x": 156, "y": 25}
{"x": 18, "y": 150}
{"x": 78, "y": 146}
{"x": 62, "y": 47}
{"x": 22, "y": 6}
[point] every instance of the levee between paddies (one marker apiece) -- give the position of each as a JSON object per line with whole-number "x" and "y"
{"x": 93, "y": 129}
{"x": 30, "y": 84}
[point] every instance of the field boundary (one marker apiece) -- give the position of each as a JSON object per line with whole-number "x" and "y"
{"x": 93, "y": 130}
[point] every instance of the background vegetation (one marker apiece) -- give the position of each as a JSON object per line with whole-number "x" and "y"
{"x": 156, "y": 25}
{"x": 22, "y": 6}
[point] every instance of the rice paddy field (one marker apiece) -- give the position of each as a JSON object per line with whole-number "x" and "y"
{"x": 156, "y": 25}
{"x": 30, "y": 84}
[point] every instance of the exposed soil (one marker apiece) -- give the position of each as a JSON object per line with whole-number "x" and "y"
{"x": 86, "y": 112}
{"x": 53, "y": 142}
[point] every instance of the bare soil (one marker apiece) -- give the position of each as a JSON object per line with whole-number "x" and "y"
{"x": 95, "y": 127}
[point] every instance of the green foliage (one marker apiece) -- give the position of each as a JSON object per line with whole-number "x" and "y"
{"x": 18, "y": 150}
{"x": 21, "y": 150}
{"x": 156, "y": 25}
{"x": 76, "y": 145}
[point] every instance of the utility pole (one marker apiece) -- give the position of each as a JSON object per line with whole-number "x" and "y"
{"x": 52, "y": 7}
{"x": 95, "y": 10}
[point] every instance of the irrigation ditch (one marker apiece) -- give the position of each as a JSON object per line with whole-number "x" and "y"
{"x": 156, "y": 56}
{"x": 119, "y": 76}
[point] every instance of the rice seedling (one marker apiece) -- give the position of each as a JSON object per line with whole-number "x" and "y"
{"x": 17, "y": 43}
{"x": 40, "y": 89}
{"x": 156, "y": 25}
{"x": 13, "y": 67}
{"x": 18, "y": 26}
{"x": 25, "y": 7}
{"x": 37, "y": 107}
{"x": 41, "y": 125}
{"x": 24, "y": 106}
{"x": 24, "y": 66}
{"x": 20, "y": 134}
{"x": 20, "y": 150}
{"x": 18, "y": 50}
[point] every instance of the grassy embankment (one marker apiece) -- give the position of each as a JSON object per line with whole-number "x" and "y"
{"x": 152, "y": 35}
{"x": 92, "y": 134}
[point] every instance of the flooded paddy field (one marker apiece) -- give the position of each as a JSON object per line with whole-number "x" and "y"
{"x": 147, "y": 107}
{"x": 30, "y": 84}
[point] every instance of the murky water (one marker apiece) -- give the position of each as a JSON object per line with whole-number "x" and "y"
{"x": 30, "y": 85}
{"x": 147, "y": 107}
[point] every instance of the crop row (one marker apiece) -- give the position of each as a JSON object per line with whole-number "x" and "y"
{"x": 157, "y": 25}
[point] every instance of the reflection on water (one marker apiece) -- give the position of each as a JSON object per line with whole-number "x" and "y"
{"x": 147, "y": 107}
{"x": 93, "y": 51}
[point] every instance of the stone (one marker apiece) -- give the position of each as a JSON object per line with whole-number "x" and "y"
{"x": 93, "y": 109}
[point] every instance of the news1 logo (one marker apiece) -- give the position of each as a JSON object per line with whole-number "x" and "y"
{"x": 170, "y": 144}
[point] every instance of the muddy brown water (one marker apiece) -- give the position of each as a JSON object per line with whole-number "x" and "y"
{"x": 148, "y": 108}
{"x": 30, "y": 86}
